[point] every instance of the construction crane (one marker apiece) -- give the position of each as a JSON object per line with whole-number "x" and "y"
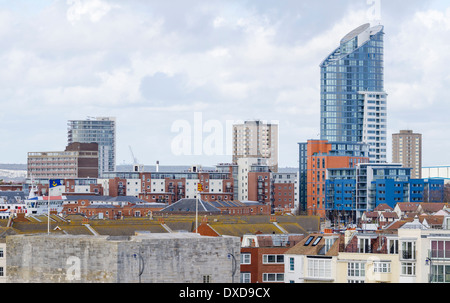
{"x": 135, "y": 161}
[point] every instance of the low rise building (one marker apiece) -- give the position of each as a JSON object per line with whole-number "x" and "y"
{"x": 262, "y": 256}
{"x": 78, "y": 160}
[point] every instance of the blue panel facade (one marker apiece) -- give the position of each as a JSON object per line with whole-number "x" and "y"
{"x": 302, "y": 174}
{"x": 435, "y": 189}
{"x": 340, "y": 195}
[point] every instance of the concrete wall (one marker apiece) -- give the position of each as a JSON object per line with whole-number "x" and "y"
{"x": 163, "y": 258}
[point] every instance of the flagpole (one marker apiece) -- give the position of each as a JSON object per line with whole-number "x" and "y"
{"x": 48, "y": 209}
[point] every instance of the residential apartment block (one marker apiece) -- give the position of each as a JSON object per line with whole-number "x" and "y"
{"x": 353, "y": 100}
{"x": 101, "y": 130}
{"x": 248, "y": 181}
{"x": 352, "y": 191}
{"x": 79, "y": 160}
{"x": 256, "y": 139}
{"x": 316, "y": 157}
{"x": 412, "y": 253}
{"x": 407, "y": 149}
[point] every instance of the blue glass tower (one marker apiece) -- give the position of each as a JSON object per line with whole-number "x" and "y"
{"x": 353, "y": 101}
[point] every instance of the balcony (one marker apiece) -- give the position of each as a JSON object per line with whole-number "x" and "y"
{"x": 408, "y": 255}
{"x": 438, "y": 254}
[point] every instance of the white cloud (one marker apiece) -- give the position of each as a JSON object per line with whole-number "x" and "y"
{"x": 94, "y": 9}
{"x": 230, "y": 61}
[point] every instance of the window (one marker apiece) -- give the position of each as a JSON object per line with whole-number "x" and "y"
{"x": 440, "y": 274}
{"x": 246, "y": 277}
{"x": 356, "y": 269}
{"x": 309, "y": 241}
{"x": 319, "y": 268}
{"x": 291, "y": 264}
{"x": 381, "y": 267}
{"x": 273, "y": 277}
{"x": 440, "y": 249}
{"x": 408, "y": 269}
{"x": 317, "y": 241}
{"x": 246, "y": 258}
{"x": 364, "y": 245}
{"x": 328, "y": 243}
{"x": 207, "y": 279}
{"x": 393, "y": 246}
{"x": 1, "y": 253}
{"x": 408, "y": 250}
{"x": 273, "y": 259}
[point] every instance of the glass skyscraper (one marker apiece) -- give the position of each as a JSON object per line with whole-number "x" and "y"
{"x": 353, "y": 100}
{"x": 101, "y": 130}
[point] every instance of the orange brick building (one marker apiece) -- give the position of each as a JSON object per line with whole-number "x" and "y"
{"x": 322, "y": 155}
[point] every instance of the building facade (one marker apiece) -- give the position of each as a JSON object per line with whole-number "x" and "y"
{"x": 351, "y": 192}
{"x": 79, "y": 160}
{"x": 101, "y": 130}
{"x": 321, "y": 155}
{"x": 285, "y": 192}
{"x": 145, "y": 257}
{"x": 353, "y": 100}
{"x": 407, "y": 149}
{"x": 256, "y": 139}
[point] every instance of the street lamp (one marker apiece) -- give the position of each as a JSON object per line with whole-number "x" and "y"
{"x": 141, "y": 264}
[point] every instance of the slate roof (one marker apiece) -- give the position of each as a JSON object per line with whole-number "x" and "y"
{"x": 12, "y": 196}
{"x": 190, "y": 205}
{"x": 130, "y": 199}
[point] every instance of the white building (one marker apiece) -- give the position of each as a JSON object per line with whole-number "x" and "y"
{"x": 443, "y": 171}
{"x": 375, "y": 125}
{"x": 256, "y": 139}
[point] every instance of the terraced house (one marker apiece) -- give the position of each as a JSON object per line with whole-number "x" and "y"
{"x": 408, "y": 252}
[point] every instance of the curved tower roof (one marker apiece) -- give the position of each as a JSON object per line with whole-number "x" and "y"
{"x": 362, "y": 33}
{"x": 357, "y": 31}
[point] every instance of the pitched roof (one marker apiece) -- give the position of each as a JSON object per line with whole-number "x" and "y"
{"x": 272, "y": 240}
{"x": 389, "y": 214}
{"x": 191, "y": 205}
{"x": 313, "y": 245}
{"x": 383, "y": 207}
{"x": 371, "y": 214}
{"x": 430, "y": 207}
{"x": 12, "y": 196}
{"x": 408, "y": 206}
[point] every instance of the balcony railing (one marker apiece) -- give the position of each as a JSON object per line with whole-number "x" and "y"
{"x": 407, "y": 255}
{"x": 439, "y": 254}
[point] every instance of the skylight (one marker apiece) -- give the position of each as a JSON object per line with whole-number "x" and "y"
{"x": 309, "y": 240}
{"x": 317, "y": 241}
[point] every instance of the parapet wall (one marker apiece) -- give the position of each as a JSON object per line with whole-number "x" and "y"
{"x": 146, "y": 258}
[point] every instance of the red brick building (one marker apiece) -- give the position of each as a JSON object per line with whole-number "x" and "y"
{"x": 262, "y": 259}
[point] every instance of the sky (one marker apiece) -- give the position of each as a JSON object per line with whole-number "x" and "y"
{"x": 177, "y": 74}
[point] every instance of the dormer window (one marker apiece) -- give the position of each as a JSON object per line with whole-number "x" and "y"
{"x": 364, "y": 245}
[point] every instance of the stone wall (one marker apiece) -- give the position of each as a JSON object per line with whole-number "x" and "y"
{"x": 161, "y": 258}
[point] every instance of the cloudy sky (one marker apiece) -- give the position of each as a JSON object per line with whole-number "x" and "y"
{"x": 177, "y": 73}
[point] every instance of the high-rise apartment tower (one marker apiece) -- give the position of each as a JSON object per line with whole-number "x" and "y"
{"x": 353, "y": 100}
{"x": 101, "y": 130}
{"x": 256, "y": 139}
{"x": 407, "y": 149}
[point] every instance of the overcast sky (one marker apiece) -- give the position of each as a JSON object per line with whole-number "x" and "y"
{"x": 160, "y": 67}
